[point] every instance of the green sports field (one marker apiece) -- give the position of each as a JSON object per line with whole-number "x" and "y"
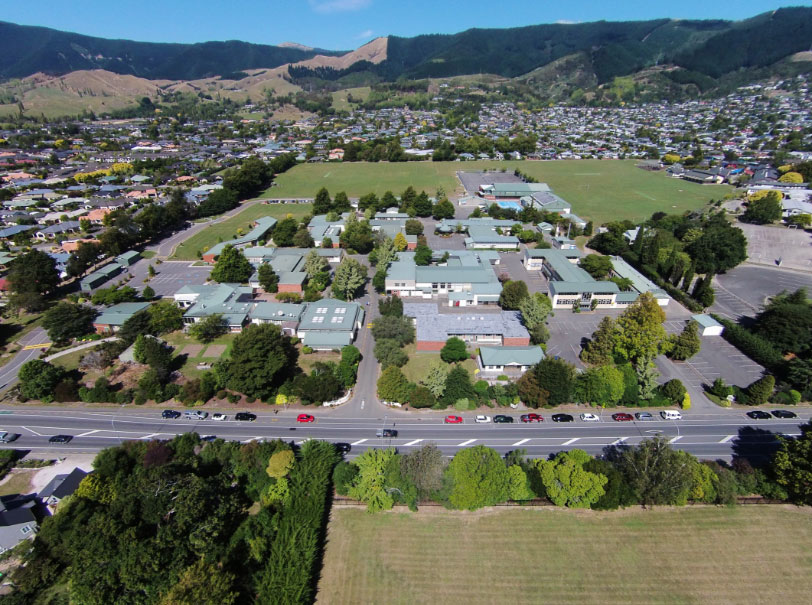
{"x": 600, "y": 190}
{"x": 697, "y": 554}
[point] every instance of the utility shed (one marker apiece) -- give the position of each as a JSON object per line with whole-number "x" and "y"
{"x": 708, "y": 326}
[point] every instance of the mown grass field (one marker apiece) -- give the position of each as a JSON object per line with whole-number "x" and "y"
{"x": 225, "y": 230}
{"x": 419, "y": 363}
{"x": 600, "y": 190}
{"x": 672, "y": 555}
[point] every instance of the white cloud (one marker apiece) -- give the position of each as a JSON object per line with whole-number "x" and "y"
{"x": 367, "y": 33}
{"x": 338, "y": 6}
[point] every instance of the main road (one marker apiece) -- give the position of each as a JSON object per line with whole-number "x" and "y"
{"x": 709, "y": 436}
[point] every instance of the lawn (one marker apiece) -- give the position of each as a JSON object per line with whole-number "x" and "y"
{"x": 419, "y": 363}
{"x": 71, "y": 361}
{"x": 180, "y": 339}
{"x": 667, "y": 555}
{"x": 600, "y": 190}
{"x": 18, "y": 482}
{"x": 226, "y": 229}
{"x": 306, "y": 362}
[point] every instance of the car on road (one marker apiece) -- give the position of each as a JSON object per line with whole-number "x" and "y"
{"x": 245, "y": 416}
{"x": 502, "y": 419}
{"x": 758, "y": 415}
{"x": 218, "y": 416}
{"x": 644, "y": 416}
{"x": 562, "y": 418}
{"x": 344, "y": 448}
{"x": 784, "y": 414}
{"x": 208, "y": 438}
{"x": 9, "y": 437}
{"x": 532, "y": 417}
{"x": 589, "y": 417}
{"x": 482, "y": 419}
{"x": 305, "y": 418}
{"x": 170, "y": 414}
{"x": 453, "y": 420}
{"x": 386, "y": 433}
{"x": 622, "y": 417}
{"x": 195, "y": 415}
{"x": 60, "y": 438}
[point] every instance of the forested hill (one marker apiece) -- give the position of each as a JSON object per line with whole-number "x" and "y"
{"x": 25, "y": 50}
{"x": 711, "y": 48}
{"x": 616, "y": 48}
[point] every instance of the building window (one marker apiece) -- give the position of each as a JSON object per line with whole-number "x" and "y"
{"x": 318, "y": 320}
{"x": 321, "y": 310}
{"x": 341, "y": 311}
{"x": 26, "y": 529}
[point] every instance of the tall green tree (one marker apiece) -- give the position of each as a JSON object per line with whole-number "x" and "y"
{"x": 535, "y": 309}
{"x": 792, "y": 466}
{"x": 38, "y": 379}
{"x": 350, "y": 276}
{"x": 30, "y": 276}
{"x": 478, "y": 478}
{"x": 268, "y": 279}
{"x": 322, "y": 204}
{"x": 66, "y": 321}
{"x": 602, "y": 386}
{"x": 686, "y": 344}
{"x": 369, "y": 485}
{"x": 208, "y": 328}
{"x": 567, "y": 483}
{"x": 657, "y": 473}
{"x": 454, "y": 350}
{"x": 393, "y": 385}
{"x": 599, "y": 350}
{"x": 315, "y": 264}
{"x": 232, "y": 267}
{"x": 513, "y": 293}
{"x": 639, "y": 331}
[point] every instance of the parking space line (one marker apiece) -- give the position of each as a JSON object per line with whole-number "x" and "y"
{"x": 728, "y": 438}
{"x": 416, "y": 441}
{"x": 88, "y": 433}
{"x": 675, "y": 439}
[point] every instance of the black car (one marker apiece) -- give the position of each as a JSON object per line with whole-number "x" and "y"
{"x": 60, "y": 438}
{"x": 344, "y": 448}
{"x": 170, "y": 414}
{"x": 758, "y": 415}
{"x": 208, "y": 438}
{"x": 784, "y": 414}
{"x": 245, "y": 416}
{"x": 386, "y": 433}
{"x": 562, "y": 418}
{"x": 503, "y": 419}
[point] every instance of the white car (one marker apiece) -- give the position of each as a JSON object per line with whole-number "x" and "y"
{"x": 482, "y": 419}
{"x": 587, "y": 417}
{"x": 218, "y": 416}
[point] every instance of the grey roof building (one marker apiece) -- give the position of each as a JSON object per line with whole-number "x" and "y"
{"x": 434, "y": 328}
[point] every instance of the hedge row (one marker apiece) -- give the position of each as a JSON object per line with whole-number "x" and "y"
{"x": 675, "y": 293}
{"x": 754, "y": 346}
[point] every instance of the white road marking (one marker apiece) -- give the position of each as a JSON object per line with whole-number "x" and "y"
{"x": 521, "y": 442}
{"x": 571, "y": 441}
{"x": 88, "y": 433}
{"x": 359, "y": 442}
{"x": 728, "y": 438}
{"x": 32, "y": 431}
{"x": 464, "y": 443}
{"x": 677, "y": 438}
{"x": 416, "y": 441}
{"x": 619, "y": 441}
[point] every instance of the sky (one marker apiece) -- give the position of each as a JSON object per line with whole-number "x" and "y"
{"x": 343, "y": 24}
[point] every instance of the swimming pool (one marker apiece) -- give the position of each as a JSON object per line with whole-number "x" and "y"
{"x": 510, "y": 206}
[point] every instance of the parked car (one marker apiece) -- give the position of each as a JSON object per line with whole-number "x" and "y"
{"x": 759, "y": 415}
{"x": 502, "y": 419}
{"x": 9, "y": 437}
{"x": 218, "y": 416}
{"x": 195, "y": 415}
{"x": 532, "y": 417}
{"x": 208, "y": 438}
{"x": 784, "y": 414}
{"x": 482, "y": 419}
{"x": 644, "y": 416}
{"x": 344, "y": 448}
{"x": 60, "y": 438}
{"x": 671, "y": 415}
{"x": 453, "y": 420}
{"x": 562, "y": 418}
{"x": 245, "y": 416}
{"x": 386, "y": 433}
{"x": 590, "y": 417}
{"x": 170, "y": 414}
{"x": 305, "y": 418}
{"x": 622, "y": 417}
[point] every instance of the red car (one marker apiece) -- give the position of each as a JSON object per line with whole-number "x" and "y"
{"x": 305, "y": 418}
{"x": 622, "y": 417}
{"x": 453, "y": 419}
{"x": 531, "y": 418}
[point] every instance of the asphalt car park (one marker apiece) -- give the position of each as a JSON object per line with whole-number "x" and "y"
{"x": 745, "y": 289}
{"x": 472, "y": 180}
{"x": 170, "y": 276}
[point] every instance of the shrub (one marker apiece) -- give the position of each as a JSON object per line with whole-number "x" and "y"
{"x": 233, "y": 398}
{"x": 686, "y": 402}
{"x": 759, "y": 391}
{"x": 306, "y": 350}
{"x": 673, "y": 390}
{"x": 250, "y": 399}
{"x": 221, "y": 394}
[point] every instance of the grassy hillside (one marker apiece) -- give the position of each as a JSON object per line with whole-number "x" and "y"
{"x": 600, "y": 190}
{"x": 670, "y": 555}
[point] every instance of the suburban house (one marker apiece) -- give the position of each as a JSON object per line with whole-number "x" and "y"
{"x": 433, "y": 328}
{"x": 513, "y": 361}
{"x": 52, "y": 231}
{"x": 262, "y": 227}
{"x": 111, "y": 319}
{"x": 60, "y": 487}
{"x": 17, "y": 521}
{"x": 465, "y": 277}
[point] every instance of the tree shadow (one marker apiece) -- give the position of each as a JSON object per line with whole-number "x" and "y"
{"x": 756, "y": 445}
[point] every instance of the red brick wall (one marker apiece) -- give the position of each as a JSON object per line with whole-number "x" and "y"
{"x": 102, "y": 328}
{"x": 290, "y": 288}
{"x": 430, "y": 345}
{"x": 516, "y": 342}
